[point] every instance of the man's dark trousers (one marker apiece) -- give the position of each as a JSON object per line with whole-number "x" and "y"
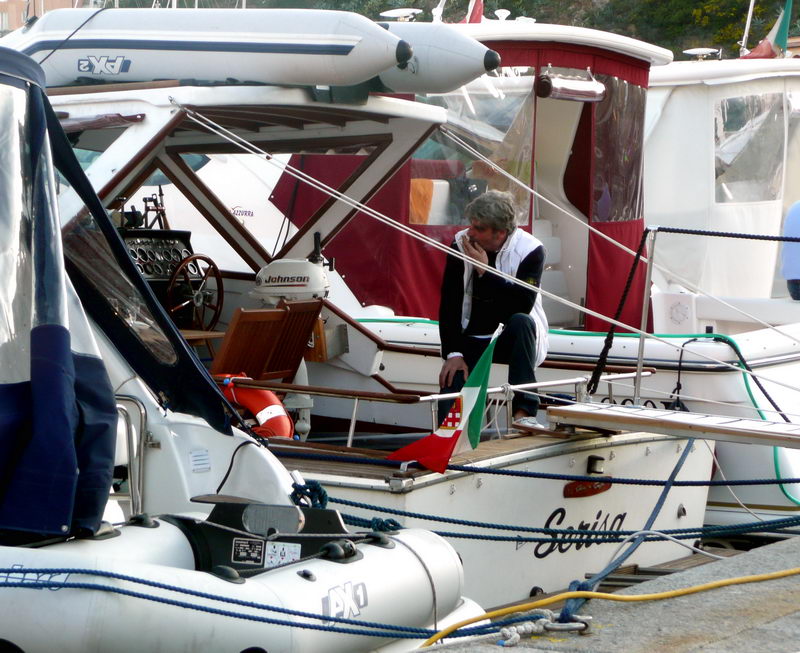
{"x": 516, "y": 346}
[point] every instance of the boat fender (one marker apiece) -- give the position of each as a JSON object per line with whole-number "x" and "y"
{"x": 272, "y": 418}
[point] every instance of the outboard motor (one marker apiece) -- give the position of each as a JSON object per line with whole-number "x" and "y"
{"x": 293, "y": 279}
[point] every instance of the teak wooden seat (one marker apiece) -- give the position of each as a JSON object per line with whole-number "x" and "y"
{"x": 267, "y": 343}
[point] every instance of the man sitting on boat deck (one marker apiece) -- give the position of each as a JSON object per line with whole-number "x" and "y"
{"x": 475, "y": 301}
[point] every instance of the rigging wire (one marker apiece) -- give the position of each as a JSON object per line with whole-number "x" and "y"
{"x": 688, "y": 284}
{"x": 245, "y": 145}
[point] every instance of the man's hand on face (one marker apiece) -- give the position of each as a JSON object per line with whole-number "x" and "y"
{"x": 475, "y": 251}
{"x": 449, "y": 369}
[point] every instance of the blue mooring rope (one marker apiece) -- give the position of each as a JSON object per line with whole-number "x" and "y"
{"x": 381, "y": 629}
{"x": 545, "y": 475}
{"x": 320, "y": 498}
{"x": 573, "y": 605}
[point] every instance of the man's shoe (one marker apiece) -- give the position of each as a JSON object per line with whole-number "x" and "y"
{"x": 529, "y": 423}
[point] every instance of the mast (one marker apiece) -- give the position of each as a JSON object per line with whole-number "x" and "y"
{"x": 743, "y": 43}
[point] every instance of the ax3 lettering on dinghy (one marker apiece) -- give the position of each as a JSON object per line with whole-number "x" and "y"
{"x": 104, "y": 65}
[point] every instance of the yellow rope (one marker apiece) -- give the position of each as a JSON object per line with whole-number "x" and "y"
{"x": 611, "y": 597}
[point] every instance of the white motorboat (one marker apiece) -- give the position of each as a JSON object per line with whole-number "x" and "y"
{"x": 90, "y": 396}
{"x": 724, "y": 132}
{"x": 188, "y": 151}
{"x": 702, "y": 130}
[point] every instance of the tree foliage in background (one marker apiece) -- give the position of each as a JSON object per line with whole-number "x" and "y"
{"x": 567, "y": 12}
{"x": 679, "y": 25}
{"x": 673, "y": 24}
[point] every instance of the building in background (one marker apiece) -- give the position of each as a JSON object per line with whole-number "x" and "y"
{"x": 12, "y": 12}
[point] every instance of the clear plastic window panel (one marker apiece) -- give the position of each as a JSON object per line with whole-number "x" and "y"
{"x": 16, "y": 267}
{"x": 86, "y": 247}
{"x": 495, "y": 116}
{"x": 619, "y": 127}
{"x": 749, "y": 148}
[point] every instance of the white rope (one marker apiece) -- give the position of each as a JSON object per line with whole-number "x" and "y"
{"x": 688, "y": 284}
{"x": 728, "y": 487}
{"x": 334, "y": 193}
{"x": 666, "y": 537}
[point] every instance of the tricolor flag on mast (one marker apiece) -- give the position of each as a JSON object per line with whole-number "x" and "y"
{"x": 474, "y": 12}
{"x": 774, "y": 44}
{"x": 461, "y": 429}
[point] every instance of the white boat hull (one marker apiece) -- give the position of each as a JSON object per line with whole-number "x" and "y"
{"x": 497, "y": 573}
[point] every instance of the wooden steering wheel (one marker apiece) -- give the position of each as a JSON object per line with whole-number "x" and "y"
{"x": 188, "y": 290}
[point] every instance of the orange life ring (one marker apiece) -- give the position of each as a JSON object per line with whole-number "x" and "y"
{"x": 272, "y": 418}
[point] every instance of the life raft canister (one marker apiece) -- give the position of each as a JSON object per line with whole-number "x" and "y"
{"x": 272, "y": 418}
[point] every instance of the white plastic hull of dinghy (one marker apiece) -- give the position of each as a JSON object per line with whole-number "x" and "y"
{"x": 274, "y": 46}
{"x": 387, "y": 585}
{"x": 497, "y": 573}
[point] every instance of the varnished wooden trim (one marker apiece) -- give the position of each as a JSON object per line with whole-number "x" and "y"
{"x": 208, "y": 194}
{"x": 324, "y": 391}
{"x": 152, "y": 145}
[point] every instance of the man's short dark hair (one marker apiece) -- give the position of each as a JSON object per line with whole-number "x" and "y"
{"x": 493, "y": 209}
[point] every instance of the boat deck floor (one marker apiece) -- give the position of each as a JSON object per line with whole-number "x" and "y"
{"x": 349, "y": 465}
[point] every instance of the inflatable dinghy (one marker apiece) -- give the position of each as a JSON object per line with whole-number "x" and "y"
{"x": 184, "y": 583}
{"x": 273, "y": 46}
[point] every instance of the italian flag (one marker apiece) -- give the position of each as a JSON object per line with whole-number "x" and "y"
{"x": 474, "y": 12}
{"x": 461, "y": 429}
{"x": 774, "y": 44}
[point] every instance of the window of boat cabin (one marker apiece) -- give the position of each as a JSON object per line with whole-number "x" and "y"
{"x": 618, "y": 139}
{"x": 492, "y": 115}
{"x": 265, "y": 196}
{"x": 88, "y": 253}
{"x": 238, "y": 180}
{"x": 749, "y": 148}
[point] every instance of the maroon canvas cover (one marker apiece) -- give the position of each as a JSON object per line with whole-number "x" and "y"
{"x": 380, "y": 264}
{"x": 383, "y": 266}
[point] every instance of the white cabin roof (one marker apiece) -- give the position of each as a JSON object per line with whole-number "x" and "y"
{"x": 725, "y": 71}
{"x": 100, "y": 99}
{"x": 526, "y": 30}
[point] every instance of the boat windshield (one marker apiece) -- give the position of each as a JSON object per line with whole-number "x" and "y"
{"x": 15, "y": 256}
{"x": 265, "y": 196}
{"x": 87, "y": 250}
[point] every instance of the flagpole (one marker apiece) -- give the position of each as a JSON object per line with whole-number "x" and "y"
{"x": 743, "y": 43}
{"x": 437, "y": 11}
{"x": 469, "y": 10}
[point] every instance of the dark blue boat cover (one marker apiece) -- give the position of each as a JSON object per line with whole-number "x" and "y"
{"x": 57, "y": 412}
